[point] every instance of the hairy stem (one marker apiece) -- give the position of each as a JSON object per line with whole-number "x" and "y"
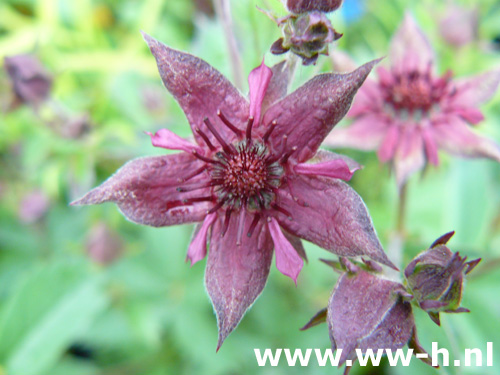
{"x": 223, "y": 11}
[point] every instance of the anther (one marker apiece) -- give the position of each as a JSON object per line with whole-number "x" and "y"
{"x": 285, "y": 157}
{"x": 205, "y": 139}
{"x": 223, "y": 143}
{"x": 269, "y": 131}
{"x": 255, "y": 221}
{"x": 226, "y": 122}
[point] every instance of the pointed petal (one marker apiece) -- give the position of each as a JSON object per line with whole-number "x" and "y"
{"x": 358, "y": 304}
{"x": 278, "y": 85}
{"x": 288, "y": 261}
{"x": 336, "y": 168}
{"x": 167, "y": 139}
{"x": 145, "y": 190}
{"x": 410, "y": 48}
{"x": 198, "y": 246}
{"x": 389, "y": 144}
{"x": 324, "y": 155}
{"x": 475, "y": 90}
{"x": 409, "y": 156}
{"x": 236, "y": 275}
{"x": 318, "y": 318}
{"x": 299, "y": 247}
{"x": 308, "y": 114}
{"x": 365, "y": 133}
{"x": 332, "y": 215}
{"x": 471, "y": 115}
{"x": 200, "y": 90}
{"x": 457, "y": 138}
{"x": 258, "y": 81}
{"x": 431, "y": 150}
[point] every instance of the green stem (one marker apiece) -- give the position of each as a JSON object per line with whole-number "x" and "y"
{"x": 223, "y": 11}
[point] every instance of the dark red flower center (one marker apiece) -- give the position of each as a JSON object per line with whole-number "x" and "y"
{"x": 245, "y": 175}
{"x": 415, "y": 91}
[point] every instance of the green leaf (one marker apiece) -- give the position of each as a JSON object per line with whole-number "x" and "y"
{"x": 53, "y": 306}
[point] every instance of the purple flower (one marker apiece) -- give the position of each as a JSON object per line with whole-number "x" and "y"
{"x": 30, "y": 81}
{"x": 365, "y": 312}
{"x": 435, "y": 277}
{"x": 410, "y": 112}
{"x": 307, "y": 35}
{"x": 459, "y": 25}
{"x": 253, "y": 179}
{"x": 302, "y": 6}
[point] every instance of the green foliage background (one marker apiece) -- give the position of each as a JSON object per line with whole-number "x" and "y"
{"x": 147, "y": 313}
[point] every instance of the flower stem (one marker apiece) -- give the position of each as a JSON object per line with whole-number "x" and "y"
{"x": 223, "y": 11}
{"x": 401, "y": 215}
{"x": 396, "y": 243}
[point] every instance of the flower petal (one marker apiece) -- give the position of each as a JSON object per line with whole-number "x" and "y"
{"x": 258, "y": 81}
{"x": 410, "y": 48}
{"x": 430, "y": 146}
{"x": 308, "y": 114}
{"x": 457, "y": 138}
{"x": 475, "y": 90}
{"x": 288, "y": 261}
{"x": 324, "y": 155}
{"x": 358, "y": 305}
{"x": 200, "y": 90}
{"x": 167, "y": 139}
{"x": 389, "y": 144}
{"x": 145, "y": 190}
{"x": 336, "y": 168}
{"x": 236, "y": 275}
{"x": 365, "y": 133}
{"x": 409, "y": 156}
{"x": 278, "y": 85}
{"x": 332, "y": 215}
{"x": 198, "y": 246}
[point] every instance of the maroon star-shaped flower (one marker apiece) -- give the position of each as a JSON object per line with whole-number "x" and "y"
{"x": 254, "y": 178}
{"x": 410, "y": 113}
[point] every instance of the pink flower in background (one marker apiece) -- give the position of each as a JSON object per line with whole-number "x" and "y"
{"x": 254, "y": 178}
{"x": 410, "y": 113}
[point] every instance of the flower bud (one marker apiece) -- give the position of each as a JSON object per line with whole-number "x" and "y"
{"x": 302, "y": 6}
{"x": 30, "y": 81}
{"x": 435, "y": 277}
{"x": 367, "y": 312}
{"x": 459, "y": 26}
{"x": 307, "y": 35}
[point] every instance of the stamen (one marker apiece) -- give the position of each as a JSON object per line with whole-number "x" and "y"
{"x": 204, "y": 158}
{"x": 255, "y": 221}
{"x": 185, "y": 189}
{"x": 249, "y": 128}
{"x": 282, "y": 210}
{"x": 226, "y": 222}
{"x": 285, "y": 157}
{"x": 205, "y": 139}
{"x": 269, "y": 131}
{"x": 217, "y": 206}
{"x": 194, "y": 174}
{"x": 226, "y": 122}
{"x": 223, "y": 143}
